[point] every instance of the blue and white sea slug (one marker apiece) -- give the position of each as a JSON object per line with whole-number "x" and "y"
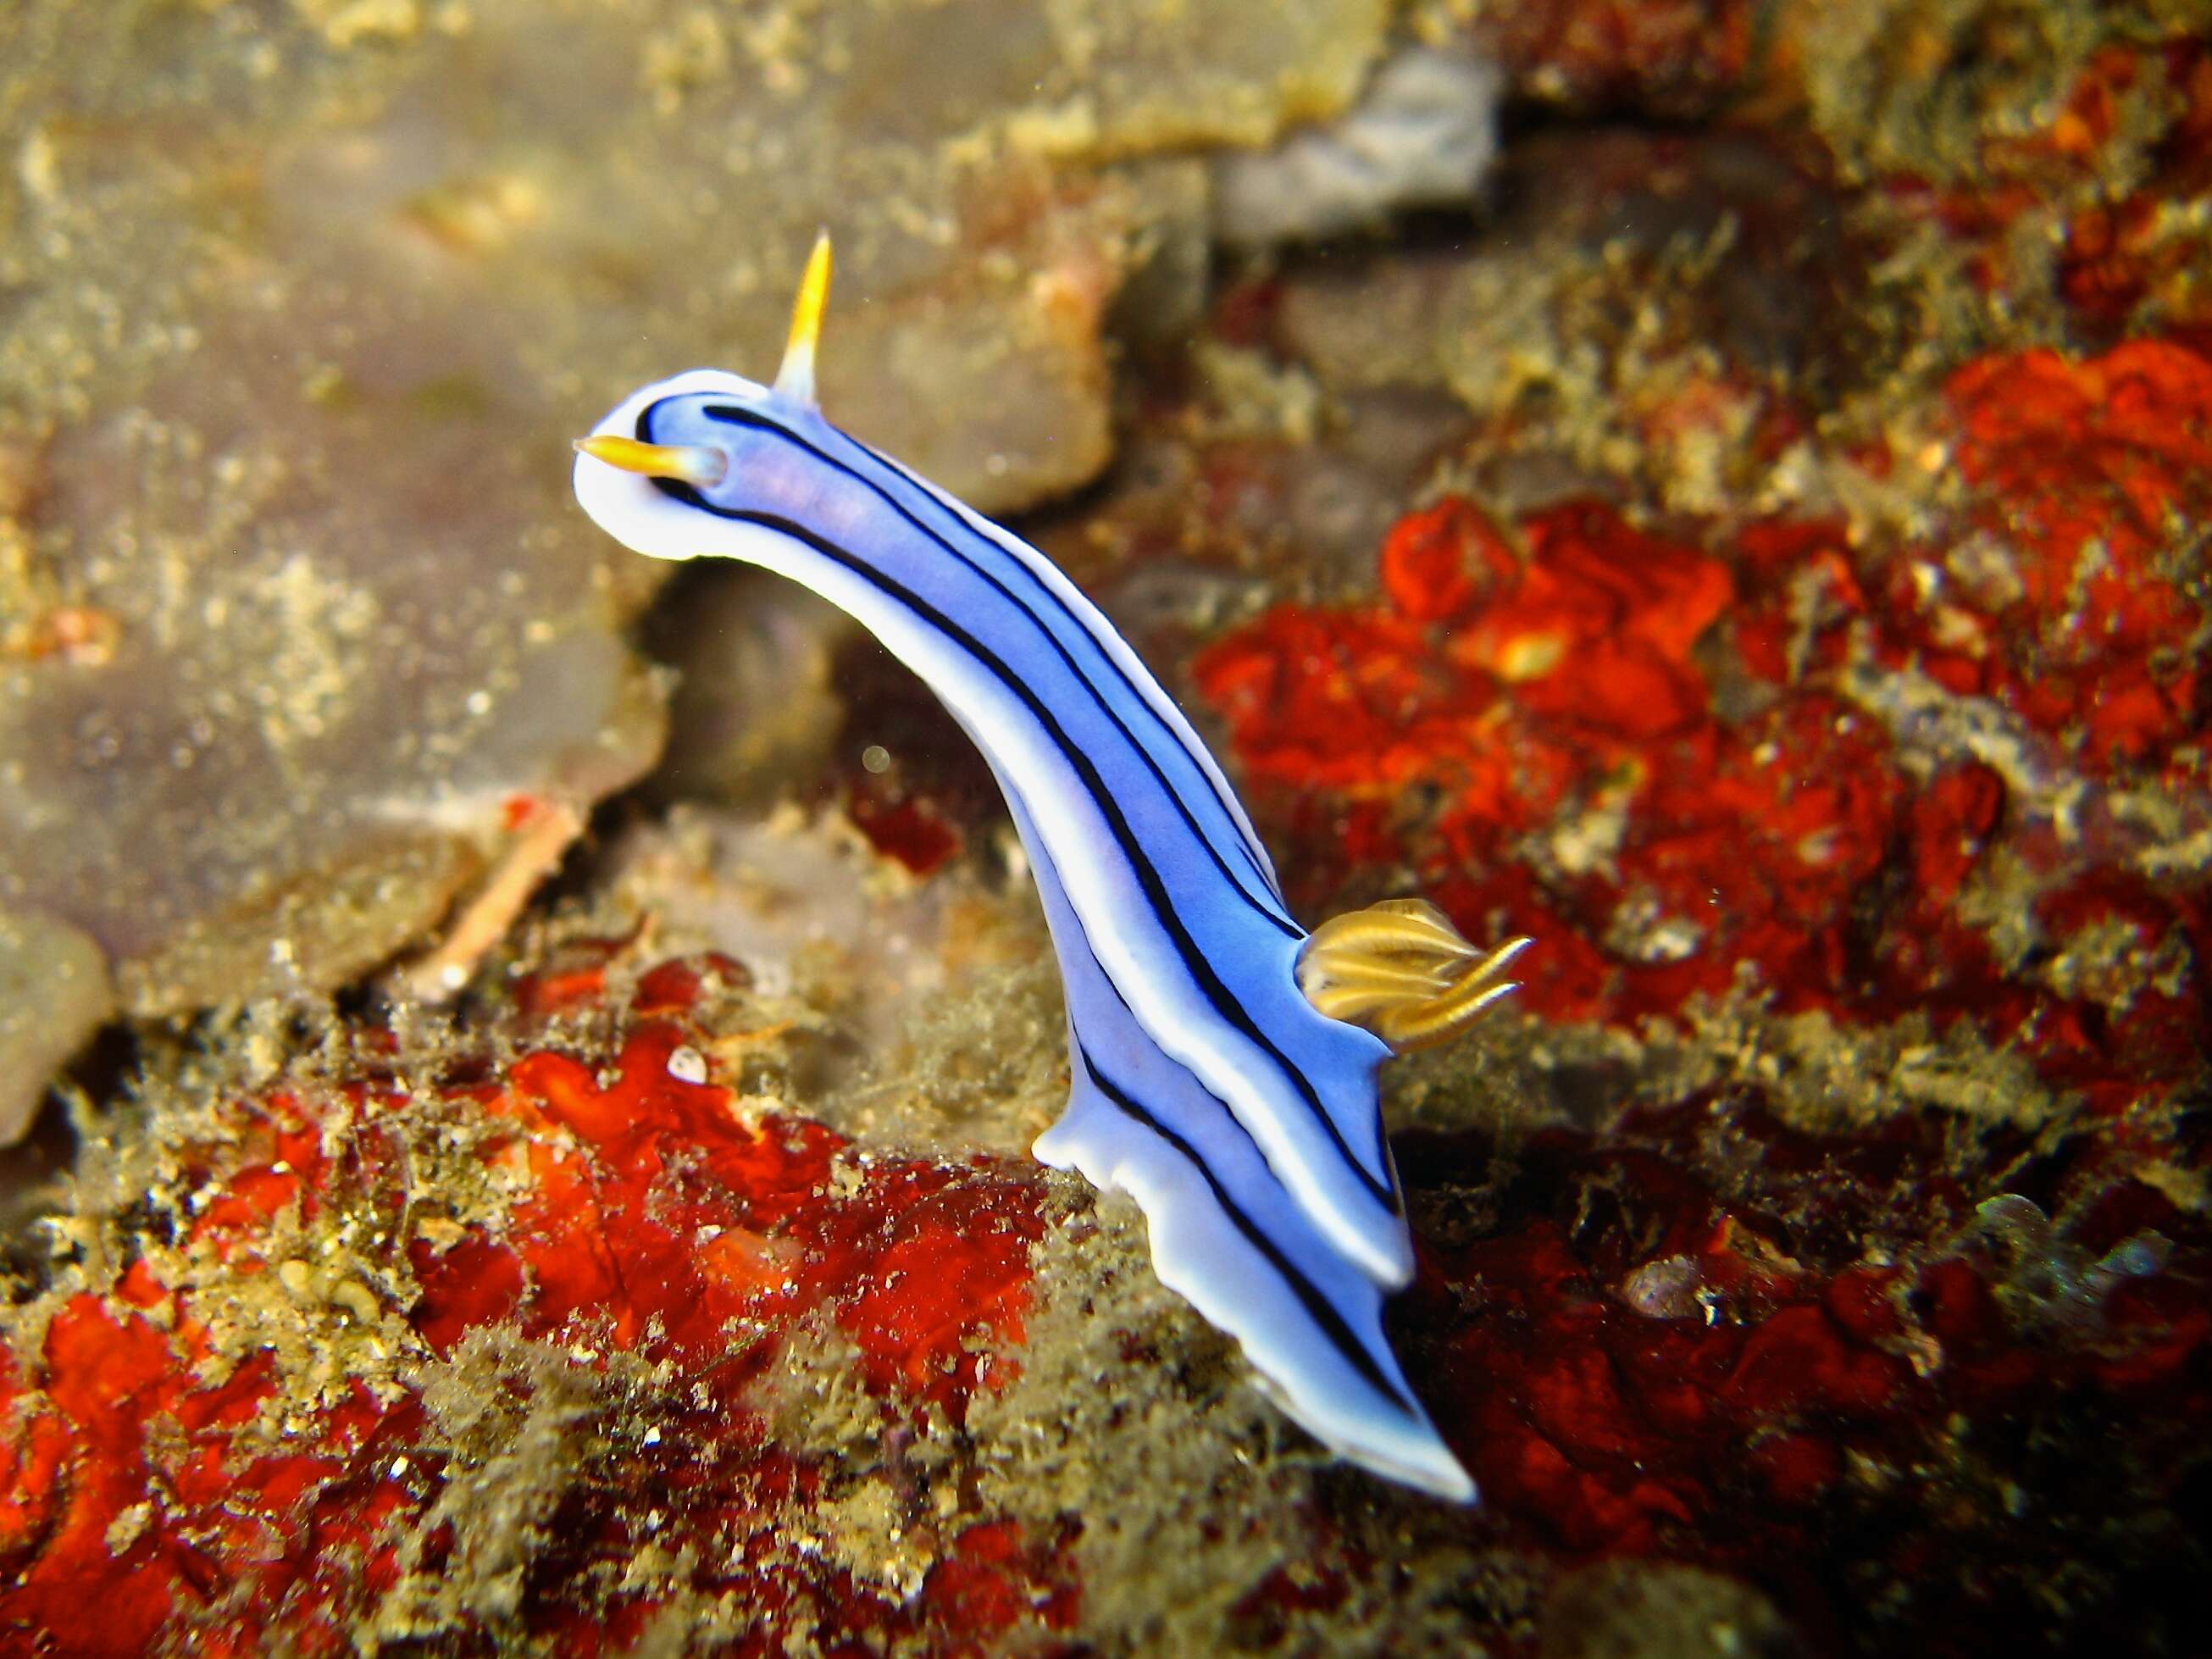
{"x": 1223, "y": 1059}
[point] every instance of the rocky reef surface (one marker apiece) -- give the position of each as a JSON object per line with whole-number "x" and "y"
{"x": 1753, "y": 538}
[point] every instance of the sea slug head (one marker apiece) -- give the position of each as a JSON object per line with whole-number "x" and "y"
{"x": 680, "y": 446}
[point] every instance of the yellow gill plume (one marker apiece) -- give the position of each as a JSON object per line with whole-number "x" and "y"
{"x": 1401, "y": 970}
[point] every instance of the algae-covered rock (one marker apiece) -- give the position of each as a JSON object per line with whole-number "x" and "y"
{"x": 1821, "y": 692}
{"x": 54, "y": 994}
{"x": 299, "y": 630}
{"x": 1424, "y": 134}
{"x": 1661, "y": 1610}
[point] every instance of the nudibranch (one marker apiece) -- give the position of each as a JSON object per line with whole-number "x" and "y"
{"x": 1223, "y": 1059}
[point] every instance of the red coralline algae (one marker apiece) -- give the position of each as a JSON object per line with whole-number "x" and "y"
{"x": 1531, "y": 734}
{"x": 2083, "y": 471}
{"x": 986, "y": 1586}
{"x": 105, "y": 1378}
{"x": 1653, "y": 757}
{"x": 1632, "y": 1362}
{"x": 2138, "y": 252}
{"x": 910, "y": 829}
{"x": 1438, "y": 563}
{"x": 141, "y": 1499}
{"x": 935, "y": 791}
{"x": 676, "y": 985}
{"x": 1676, "y": 57}
{"x": 2125, "y": 158}
{"x": 149, "y": 1501}
{"x": 1597, "y": 632}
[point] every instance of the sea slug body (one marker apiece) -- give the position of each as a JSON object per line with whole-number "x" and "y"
{"x": 1206, "y": 1081}
{"x": 1222, "y": 1235}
